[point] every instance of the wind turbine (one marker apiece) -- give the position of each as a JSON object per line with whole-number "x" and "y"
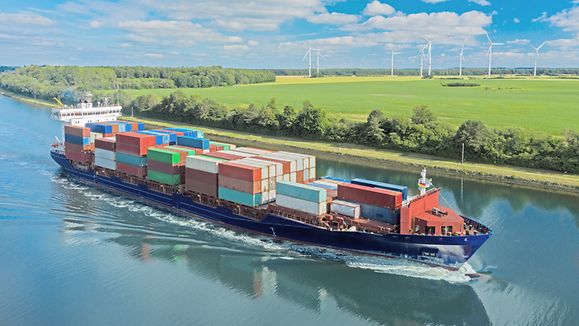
{"x": 422, "y": 59}
{"x": 537, "y": 57}
{"x": 392, "y": 61}
{"x": 309, "y": 53}
{"x": 429, "y": 45}
{"x": 461, "y": 59}
{"x": 319, "y": 55}
{"x": 490, "y": 53}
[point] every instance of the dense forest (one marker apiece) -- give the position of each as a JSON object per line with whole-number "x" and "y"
{"x": 422, "y": 133}
{"x": 436, "y": 72}
{"x": 66, "y": 81}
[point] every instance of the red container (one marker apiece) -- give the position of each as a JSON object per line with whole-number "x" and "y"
{"x": 132, "y": 170}
{"x": 224, "y": 156}
{"x": 239, "y": 171}
{"x": 134, "y": 143}
{"x": 200, "y": 181}
{"x": 215, "y": 148}
{"x": 251, "y": 187}
{"x": 80, "y": 157}
{"x": 286, "y": 164}
{"x": 77, "y": 131}
{"x": 198, "y": 151}
{"x": 164, "y": 167}
{"x": 79, "y": 148}
{"x": 105, "y": 143}
{"x": 369, "y": 195}
{"x": 300, "y": 176}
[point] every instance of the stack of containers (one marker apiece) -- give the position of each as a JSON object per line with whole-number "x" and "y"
{"x": 132, "y": 151}
{"x": 242, "y": 183}
{"x": 302, "y": 168}
{"x": 195, "y": 142}
{"x": 102, "y": 128}
{"x": 346, "y": 208}
{"x": 172, "y": 135}
{"x": 251, "y": 150}
{"x": 160, "y": 138}
{"x": 224, "y": 146}
{"x": 234, "y": 152}
{"x": 188, "y": 132}
{"x": 105, "y": 154}
{"x": 382, "y": 185}
{"x": 331, "y": 188}
{"x": 77, "y": 144}
{"x": 375, "y": 203}
{"x": 304, "y": 198}
{"x": 165, "y": 166}
{"x": 201, "y": 174}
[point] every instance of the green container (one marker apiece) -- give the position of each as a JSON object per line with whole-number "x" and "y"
{"x": 190, "y": 151}
{"x": 300, "y": 191}
{"x": 163, "y": 155}
{"x": 226, "y": 147}
{"x": 240, "y": 197}
{"x": 131, "y": 159}
{"x": 216, "y": 159}
{"x": 164, "y": 178}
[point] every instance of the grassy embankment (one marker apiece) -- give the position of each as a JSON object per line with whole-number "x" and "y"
{"x": 21, "y": 98}
{"x": 393, "y": 159}
{"x": 547, "y": 106}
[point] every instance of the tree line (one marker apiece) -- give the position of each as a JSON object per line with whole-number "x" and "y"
{"x": 422, "y": 133}
{"x": 522, "y": 71}
{"x": 68, "y": 82}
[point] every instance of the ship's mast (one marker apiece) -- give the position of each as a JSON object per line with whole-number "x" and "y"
{"x": 423, "y": 183}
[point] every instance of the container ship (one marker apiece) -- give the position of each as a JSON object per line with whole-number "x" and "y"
{"x": 273, "y": 193}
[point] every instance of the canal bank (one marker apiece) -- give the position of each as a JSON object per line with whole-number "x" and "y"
{"x": 518, "y": 176}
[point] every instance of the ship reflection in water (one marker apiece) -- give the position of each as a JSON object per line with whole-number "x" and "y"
{"x": 316, "y": 285}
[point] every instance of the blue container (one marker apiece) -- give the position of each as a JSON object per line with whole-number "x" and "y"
{"x": 325, "y": 186}
{"x": 335, "y": 179}
{"x": 240, "y": 197}
{"x": 188, "y": 132}
{"x": 301, "y": 191}
{"x": 124, "y": 126}
{"x": 380, "y": 213}
{"x": 131, "y": 159}
{"x": 77, "y": 139}
{"x": 172, "y": 136}
{"x": 382, "y": 185}
{"x": 100, "y": 127}
{"x": 140, "y": 126}
{"x": 160, "y": 138}
{"x": 194, "y": 142}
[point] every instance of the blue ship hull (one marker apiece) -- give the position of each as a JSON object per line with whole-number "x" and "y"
{"x": 448, "y": 251}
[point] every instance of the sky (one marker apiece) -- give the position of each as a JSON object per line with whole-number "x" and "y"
{"x": 277, "y": 33}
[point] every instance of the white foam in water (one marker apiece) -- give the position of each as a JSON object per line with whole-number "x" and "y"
{"x": 377, "y": 264}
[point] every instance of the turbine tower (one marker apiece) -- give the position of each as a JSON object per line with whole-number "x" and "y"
{"x": 392, "y": 61}
{"x": 422, "y": 59}
{"x": 319, "y": 55}
{"x": 537, "y": 57}
{"x": 490, "y": 53}
{"x": 461, "y": 59}
{"x": 309, "y": 53}
{"x": 429, "y": 45}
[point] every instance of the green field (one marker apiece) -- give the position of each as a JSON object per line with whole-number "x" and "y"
{"x": 548, "y": 106}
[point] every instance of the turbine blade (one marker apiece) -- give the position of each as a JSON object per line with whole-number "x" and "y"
{"x": 540, "y": 46}
{"x": 488, "y": 37}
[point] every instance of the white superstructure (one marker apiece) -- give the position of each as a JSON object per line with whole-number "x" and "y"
{"x": 85, "y": 112}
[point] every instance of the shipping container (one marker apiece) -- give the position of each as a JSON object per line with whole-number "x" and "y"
{"x": 160, "y": 138}
{"x": 76, "y": 131}
{"x": 164, "y": 155}
{"x": 223, "y": 155}
{"x": 105, "y": 163}
{"x": 345, "y": 208}
{"x": 251, "y": 150}
{"x": 108, "y": 144}
{"x": 178, "y": 133}
{"x": 315, "y": 208}
{"x": 77, "y": 140}
{"x": 242, "y": 154}
{"x": 240, "y": 171}
{"x": 104, "y": 154}
{"x": 203, "y": 163}
{"x": 382, "y": 185}
{"x": 78, "y": 156}
{"x": 301, "y": 191}
{"x": 252, "y": 187}
{"x": 225, "y": 146}
{"x": 164, "y": 167}
{"x": 241, "y": 198}
{"x": 188, "y": 141}
{"x": 164, "y": 178}
{"x": 100, "y": 127}
{"x": 286, "y": 164}
{"x": 380, "y": 213}
{"x": 188, "y": 132}
{"x": 134, "y": 143}
{"x": 130, "y": 159}
{"x": 324, "y": 184}
{"x": 189, "y": 150}
{"x": 201, "y": 182}
{"x": 368, "y": 195}
{"x": 172, "y": 135}
{"x": 78, "y": 148}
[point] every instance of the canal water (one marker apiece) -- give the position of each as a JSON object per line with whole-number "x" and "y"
{"x": 73, "y": 255}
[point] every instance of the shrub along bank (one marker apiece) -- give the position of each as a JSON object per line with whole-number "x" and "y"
{"x": 423, "y": 133}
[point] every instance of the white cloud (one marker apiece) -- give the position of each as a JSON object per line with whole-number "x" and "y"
{"x": 252, "y": 43}
{"x": 236, "y": 47}
{"x": 154, "y": 55}
{"x": 567, "y": 19}
{"x": 376, "y": 8}
{"x": 434, "y": 1}
{"x": 519, "y": 41}
{"x": 516, "y": 20}
{"x": 95, "y": 24}
{"x": 483, "y": 3}
{"x": 333, "y": 18}
{"x": 24, "y": 18}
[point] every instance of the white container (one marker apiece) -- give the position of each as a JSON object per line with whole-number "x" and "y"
{"x": 276, "y": 156}
{"x": 293, "y": 177}
{"x": 104, "y": 163}
{"x": 265, "y": 168}
{"x": 242, "y": 154}
{"x": 251, "y": 150}
{"x": 301, "y": 205}
{"x": 345, "y": 208}
{"x": 104, "y": 154}
{"x": 313, "y": 173}
{"x": 204, "y": 164}
{"x": 273, "y": 167}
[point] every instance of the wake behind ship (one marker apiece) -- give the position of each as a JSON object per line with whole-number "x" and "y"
{"x": 272, "y": 193}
